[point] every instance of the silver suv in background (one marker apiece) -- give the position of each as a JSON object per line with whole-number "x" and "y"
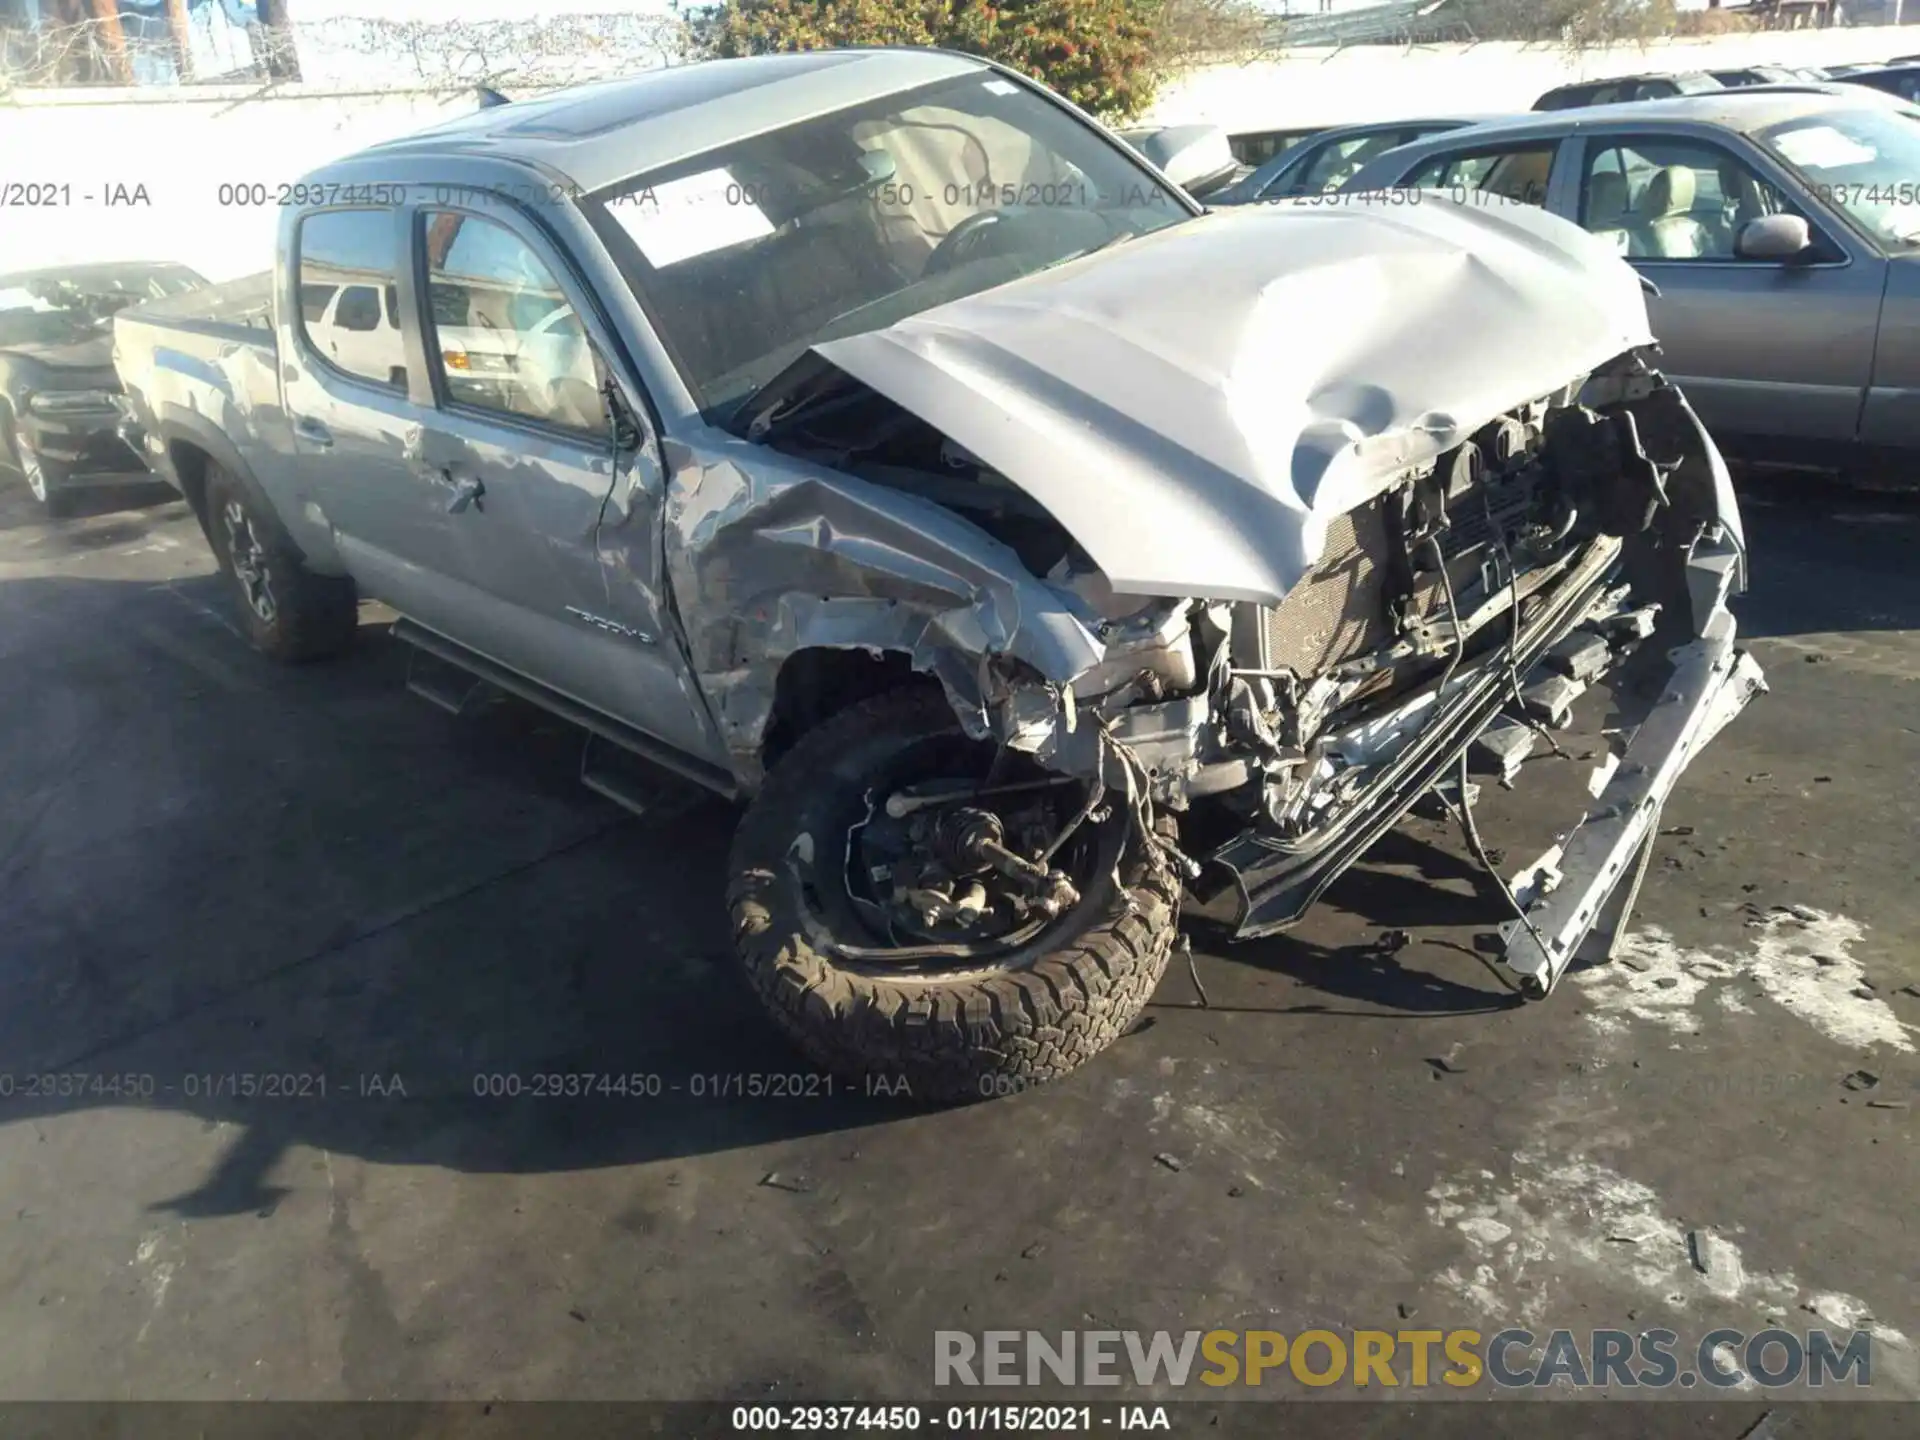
{"x": 1779, "y": 230}
{"x": 1024, "y": 589}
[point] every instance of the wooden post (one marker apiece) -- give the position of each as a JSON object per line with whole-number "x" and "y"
{"x": 283, "y": 60}
{"x": 182, "y": 38}
{"x": 106, "y": 14}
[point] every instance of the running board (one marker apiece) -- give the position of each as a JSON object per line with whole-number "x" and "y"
{"x": 440, "y": 684}
{"x": 611, "y": 773}
{"x": 597, "y": 724}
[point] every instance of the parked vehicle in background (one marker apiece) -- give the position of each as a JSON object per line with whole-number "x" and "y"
{"x": 1029, "y": 589}
{"x": 1255, "y": 147}
{"x": 1902, "y": 81}
{"x": 1622, "y": 88}
{"x": 59, "y": 396}
{"x": 358, "y": 313}
{"x": 1326, "y": 161}
{"x": 1196, "y": 157}
{"x": 1752, "y": 75}
{"x": 1781, "y": 228}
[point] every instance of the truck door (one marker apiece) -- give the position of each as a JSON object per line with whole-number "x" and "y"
{"x": 558, "y": 524}
{"x": 346, "y": 377}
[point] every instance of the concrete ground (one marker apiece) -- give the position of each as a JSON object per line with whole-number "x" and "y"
{"x": 211, "y": 867}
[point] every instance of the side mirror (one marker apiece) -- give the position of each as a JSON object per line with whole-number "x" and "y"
{"x": 1774, "y": 237}
{"x": 624, "y": 429}
{"x": 1197, "y": 158}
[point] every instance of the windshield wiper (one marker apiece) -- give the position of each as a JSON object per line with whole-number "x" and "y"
{"x": 796, "y": 388}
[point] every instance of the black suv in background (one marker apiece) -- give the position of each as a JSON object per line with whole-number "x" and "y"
{"x": 1900, "y": 80}
{"x": 60, "y": 416}
{"x": 1626, "y": 87}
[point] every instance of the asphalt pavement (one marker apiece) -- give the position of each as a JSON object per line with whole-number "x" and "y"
{"x": 283, "y": 951}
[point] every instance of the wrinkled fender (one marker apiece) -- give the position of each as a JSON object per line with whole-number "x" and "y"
{"x": 769, "y": 555}
{"x": 179, "y": 424}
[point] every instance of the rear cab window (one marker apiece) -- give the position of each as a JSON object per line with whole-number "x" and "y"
{"x": 350, "y": 294}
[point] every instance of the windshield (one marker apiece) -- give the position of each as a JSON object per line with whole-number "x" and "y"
{"x": 1863, "y": 162}
{"x": 847, "y": 222}
{"x": 48, "y": 307}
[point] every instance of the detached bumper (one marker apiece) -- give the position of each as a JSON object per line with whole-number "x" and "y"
{"x": 1603, "y": 859}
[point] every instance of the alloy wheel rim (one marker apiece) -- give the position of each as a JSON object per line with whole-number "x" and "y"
{"x": 30, "y": 465}
{"x": 247, "y": 559}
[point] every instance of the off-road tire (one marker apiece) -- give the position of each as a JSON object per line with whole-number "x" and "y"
{"x": 315, "y": 616}
{"x": 1029, "y": 1017}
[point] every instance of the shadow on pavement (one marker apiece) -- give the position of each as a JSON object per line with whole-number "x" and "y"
{"x": 1827, "y": 558}
{"x": 303, "y": 903}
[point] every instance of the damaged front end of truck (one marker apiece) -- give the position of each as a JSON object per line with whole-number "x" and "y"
{"x": 1268, "y": 599}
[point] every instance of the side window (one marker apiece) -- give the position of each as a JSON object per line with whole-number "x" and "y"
{"x": 358, "y": 310}
{"x": 1514, "y": 174}
{"x": 349, "y": 298}
{"x": 1661, "y": 199}
{"x": 314, "y": 300}
{"x": 1603, "y": 199}
{"x": 504, "y": 336}
{"x": 1338, "y": 162}
{"x": 1257, "y": 148}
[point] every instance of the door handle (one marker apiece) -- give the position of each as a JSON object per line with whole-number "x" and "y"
{"x": 313, "y": 432}
{"x": 466, "y": 492}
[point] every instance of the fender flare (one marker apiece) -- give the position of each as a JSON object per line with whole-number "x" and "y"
{"x": 177, "y": 423}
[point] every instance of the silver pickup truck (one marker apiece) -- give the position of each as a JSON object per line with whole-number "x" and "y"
{"x": 874, "y": 438}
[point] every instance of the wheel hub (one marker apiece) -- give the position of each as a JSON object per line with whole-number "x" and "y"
{"x": 30, "y": 465}
{"x": 950, "y": 874}
{"x": 247, "y": 558}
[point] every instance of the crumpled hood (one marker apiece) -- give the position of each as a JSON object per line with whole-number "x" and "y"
{"x": 81, "y": 364}
{"x": 1194, "y": 406}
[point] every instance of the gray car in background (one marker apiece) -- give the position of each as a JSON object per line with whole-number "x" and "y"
{"x": 1780, "y": 229}
{"x": 1326, "y": 161}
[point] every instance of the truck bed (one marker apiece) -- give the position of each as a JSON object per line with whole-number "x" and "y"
{"x": 239, "y": 310}
{"x": 201, "y": 370}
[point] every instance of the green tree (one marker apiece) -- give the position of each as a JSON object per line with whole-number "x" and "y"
{"x": 1107, "y": 56}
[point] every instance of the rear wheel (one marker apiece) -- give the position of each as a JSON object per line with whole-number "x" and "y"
{"x": 898, "y": 916}
{"x": 289, "y": 612}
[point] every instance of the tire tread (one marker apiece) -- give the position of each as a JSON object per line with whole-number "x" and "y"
{"x": 957, "y": 1038}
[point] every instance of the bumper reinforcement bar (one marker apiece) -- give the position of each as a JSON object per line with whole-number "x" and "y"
{"x": 1604, "y": 858}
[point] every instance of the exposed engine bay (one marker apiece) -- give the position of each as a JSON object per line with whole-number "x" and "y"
{"x": 1507, "y": 575}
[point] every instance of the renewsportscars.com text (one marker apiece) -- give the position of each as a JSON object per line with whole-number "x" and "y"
{"x": 1411, "y": 1359}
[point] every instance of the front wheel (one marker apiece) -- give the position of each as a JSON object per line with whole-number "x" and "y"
{"x": 885, "y": 928}
{"x": 44, "y": 479}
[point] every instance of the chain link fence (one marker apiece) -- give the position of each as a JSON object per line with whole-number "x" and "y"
{"x": 206, "y": 45}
